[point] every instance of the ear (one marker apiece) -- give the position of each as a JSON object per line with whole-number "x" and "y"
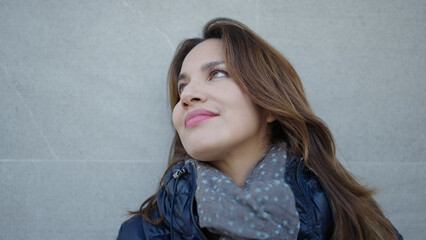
{"x": 270, "y": 117}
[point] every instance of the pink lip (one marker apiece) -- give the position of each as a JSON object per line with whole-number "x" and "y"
{"x": 198, "y": 115}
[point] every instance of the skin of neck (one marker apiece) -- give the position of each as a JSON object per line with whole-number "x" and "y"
{"x": 239, "y": 163}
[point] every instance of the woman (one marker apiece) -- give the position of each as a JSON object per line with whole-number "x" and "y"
{"x": 250, "y": 160}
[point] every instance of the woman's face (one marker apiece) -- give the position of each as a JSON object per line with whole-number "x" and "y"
{"x": 215, "y": 120}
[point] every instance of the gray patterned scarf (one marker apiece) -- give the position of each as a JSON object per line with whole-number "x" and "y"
{"x": 264, "y": 208}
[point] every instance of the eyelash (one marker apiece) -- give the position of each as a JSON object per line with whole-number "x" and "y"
{"x": 181, "y": 86}
{"x": 215, "y": 71}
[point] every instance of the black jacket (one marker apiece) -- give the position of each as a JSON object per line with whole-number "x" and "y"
{"x": 175, "y": 202}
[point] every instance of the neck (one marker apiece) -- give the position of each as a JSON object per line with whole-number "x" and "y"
{"x": 238, "y": 166}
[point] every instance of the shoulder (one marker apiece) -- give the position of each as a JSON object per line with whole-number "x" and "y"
{"x": 137, "y": 228}
{"x": 132, "y": 229}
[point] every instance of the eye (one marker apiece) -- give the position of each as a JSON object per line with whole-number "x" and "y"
{"x": 218, "y": 74}
{"x": 180, "y": 87}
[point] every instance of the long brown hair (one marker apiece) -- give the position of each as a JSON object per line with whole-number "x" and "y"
{"x": 272, "y": 83}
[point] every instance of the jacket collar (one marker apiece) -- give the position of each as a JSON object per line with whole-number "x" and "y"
{"x": 175, "y": 199}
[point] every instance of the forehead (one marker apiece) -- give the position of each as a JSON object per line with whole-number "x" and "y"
{"x": 207, "y": 51}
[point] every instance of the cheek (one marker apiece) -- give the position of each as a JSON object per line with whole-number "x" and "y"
{"x": 176, "y": 116}
{"x": 248, "y": 112}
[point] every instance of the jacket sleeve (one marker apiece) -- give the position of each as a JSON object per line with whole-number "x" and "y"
{"x": 132, "y": 229}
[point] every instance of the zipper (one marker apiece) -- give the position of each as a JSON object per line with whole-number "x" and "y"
{"x": 302, "y": 190}
{"x": 178, "y": 173}
{"x": 192, "y": 201}
{"x": 176, "y": 176}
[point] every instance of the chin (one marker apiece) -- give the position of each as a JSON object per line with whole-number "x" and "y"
{"x": 202, "y": 151}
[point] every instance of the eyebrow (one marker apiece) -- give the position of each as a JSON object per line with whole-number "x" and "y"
{"x": 205, "y": 67}
{"x": 211, "y": 65}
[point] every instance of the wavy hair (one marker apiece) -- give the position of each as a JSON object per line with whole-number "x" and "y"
{"x": 271, "y": 82}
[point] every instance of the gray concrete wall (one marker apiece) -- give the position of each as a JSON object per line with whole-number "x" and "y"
{"x": 84, "y": 123}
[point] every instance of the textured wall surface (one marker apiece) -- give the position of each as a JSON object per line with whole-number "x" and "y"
{"x": 84, "y": 122}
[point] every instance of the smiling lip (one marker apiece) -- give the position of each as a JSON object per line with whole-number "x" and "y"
{"x": 197, "y": 116}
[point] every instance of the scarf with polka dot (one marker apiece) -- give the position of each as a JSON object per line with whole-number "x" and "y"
{"x": 264, "y": 208}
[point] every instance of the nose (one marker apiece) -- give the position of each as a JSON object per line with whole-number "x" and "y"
{"x": 192, "y": 94}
